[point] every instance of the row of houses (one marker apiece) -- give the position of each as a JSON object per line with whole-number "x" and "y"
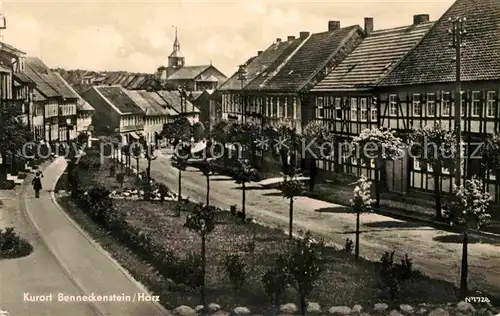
{"x": 134, "y": 114}
{"x": 352, "y": 78}
{"x": 45, "y": 101}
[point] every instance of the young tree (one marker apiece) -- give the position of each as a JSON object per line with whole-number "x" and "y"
{"x": 202, "y": 221}
{"x": 150, "y": 156}
{"x": 222, "y": 135}
{"x": 206, "y": 169}
{"x": 249, "y": 134}
{"x": 469, "y": 209}
{"x": 136, "y": 152}
{"x": 244, "y": 174}
{"x": 179, "y": 131}
{"x": 376, "y": 145}
{"x": 434, "y": 148}
{"x": 288, "y": 142}
{"x": 179, "y": 161}
{"x": 276, "y": 279}
{"x": 290, "y": 189}
{"x": 361, "y": 202}
{"x": 125, "y": 151}
{"x": 305, "y": 266}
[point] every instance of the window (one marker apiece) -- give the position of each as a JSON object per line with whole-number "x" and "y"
{"x": 393, "y": 105}
{"x": 431, "y": 104}
{"x": 416, "y": 164}
{"x": 354, "y": 109}
{"x": 463, "y": 103}
{"x": 417, "y": 107}
{"x": 476, "y": 103}
{"x": 364, "y": 109}
{"x": 289, "y": 107}
{"x": 446, "y": 104}
{"x": 491, "y": 103}
{"x": 374, "y": 113}
{"x": 320, "y": 107}
{"x": 338, "y": 108}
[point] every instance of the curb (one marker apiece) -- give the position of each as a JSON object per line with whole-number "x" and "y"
{"x": 101, "y": 250}
{"x": 409, "y": 218}
{"x": 65, "y": 269}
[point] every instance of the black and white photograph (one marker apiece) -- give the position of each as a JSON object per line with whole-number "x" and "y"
{"x": 249, "y": 157}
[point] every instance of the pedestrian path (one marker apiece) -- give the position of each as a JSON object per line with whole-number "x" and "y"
{"x": 91, "y": 268}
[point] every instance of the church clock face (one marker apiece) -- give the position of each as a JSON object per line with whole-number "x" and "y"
{"x": 179, "y": 62}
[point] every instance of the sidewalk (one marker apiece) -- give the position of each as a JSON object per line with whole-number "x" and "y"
{"x": 91, "y": 268}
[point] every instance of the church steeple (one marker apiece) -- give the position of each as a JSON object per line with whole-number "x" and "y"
{"x": 176, "y": 60}
{"x": 177, "y": 45}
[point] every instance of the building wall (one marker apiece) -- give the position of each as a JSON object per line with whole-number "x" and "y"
{"x": 5, "y": 86}
{"x": 152, "y": 125}
{"x": 83, "y": 121}
{"x": 407, "y": 108}
{"x": 105, "y": 119}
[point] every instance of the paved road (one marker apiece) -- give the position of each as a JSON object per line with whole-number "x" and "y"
{"x": 379, "y": 233}
{"x": 81, "y": 266}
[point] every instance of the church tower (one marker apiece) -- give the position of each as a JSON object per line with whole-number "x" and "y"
{"x": 176, "y": 60}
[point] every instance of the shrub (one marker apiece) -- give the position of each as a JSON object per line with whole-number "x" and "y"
{"x": 233, "y": 210}
{"x": 275, "y": 280}
{"x": 112, "y": 170}
{"x": 393, "y": 275}
{"x": 349, "y": 245}
{"x": 90, "y": 162}
{"x": 236, "y": 270}
{"x": 190, "y": 270}
{"x": 12, "y": 245}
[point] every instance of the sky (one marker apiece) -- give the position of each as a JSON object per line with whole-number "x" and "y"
{"x": 137, "y": 36}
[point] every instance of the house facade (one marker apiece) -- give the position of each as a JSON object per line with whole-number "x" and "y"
{"x": 346, "y": 100}
{"x": 115, "y": 113}
{"x": 278, "y": 93}
{"x": 421, "y": 89}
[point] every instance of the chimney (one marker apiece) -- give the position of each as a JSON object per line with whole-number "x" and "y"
{"x": 420, "y": 19}
{"x": 368, "y": 26}
{"x": 259, "y": 52}
{"x": 304, "y": 35}
{"x": 278, "y": 40}
{"x": 333, "y": 26}
{"x": 290, "y": 38}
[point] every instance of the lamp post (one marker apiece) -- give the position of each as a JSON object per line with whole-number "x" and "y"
{"x": 458, "y": 32}
{"x": 242, "y": 76}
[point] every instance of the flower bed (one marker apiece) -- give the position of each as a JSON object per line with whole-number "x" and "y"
{"x": 12, "y": 245}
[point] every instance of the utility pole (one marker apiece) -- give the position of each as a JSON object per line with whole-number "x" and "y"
{"x": 457, "y": 31}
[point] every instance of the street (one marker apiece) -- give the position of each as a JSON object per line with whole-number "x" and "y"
{"x": 438, "y": 259}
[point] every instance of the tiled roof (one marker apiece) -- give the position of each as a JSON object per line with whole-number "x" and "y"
{"x": 153, "y": 96}
{"x": 375, "y": 57}
{"x": 188, "y": 72}
{"x": 22, "y": 77}
{"x": 262, "y": 76}
{"x": 11, "y": 49}
{"x": 38, "y": 78}
{"x": 129, "y": 79}
{"x": 431, "y": 60}
{"x": 260, "y": 64}
{"x": 117, "y": 96}
{"x": 136, "y": 83}
{"x": 173, "y": 99}
{"x": 148, "y": 107}
{"x": 312, "y": 57}
{"x": 81, "y": 104}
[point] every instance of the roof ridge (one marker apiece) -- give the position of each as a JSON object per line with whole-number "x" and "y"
{"x": 403, "y": 27}
{"x": 287, "y": 59}
{"x": 107, "y": 100}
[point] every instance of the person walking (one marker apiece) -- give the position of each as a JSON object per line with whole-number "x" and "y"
{"x": 37, "y": 183}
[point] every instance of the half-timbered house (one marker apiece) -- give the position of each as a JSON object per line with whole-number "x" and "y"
{"x": 280, "y": 92}
{"x": 420, "y": 91}
{"x": 345, "y": 100}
